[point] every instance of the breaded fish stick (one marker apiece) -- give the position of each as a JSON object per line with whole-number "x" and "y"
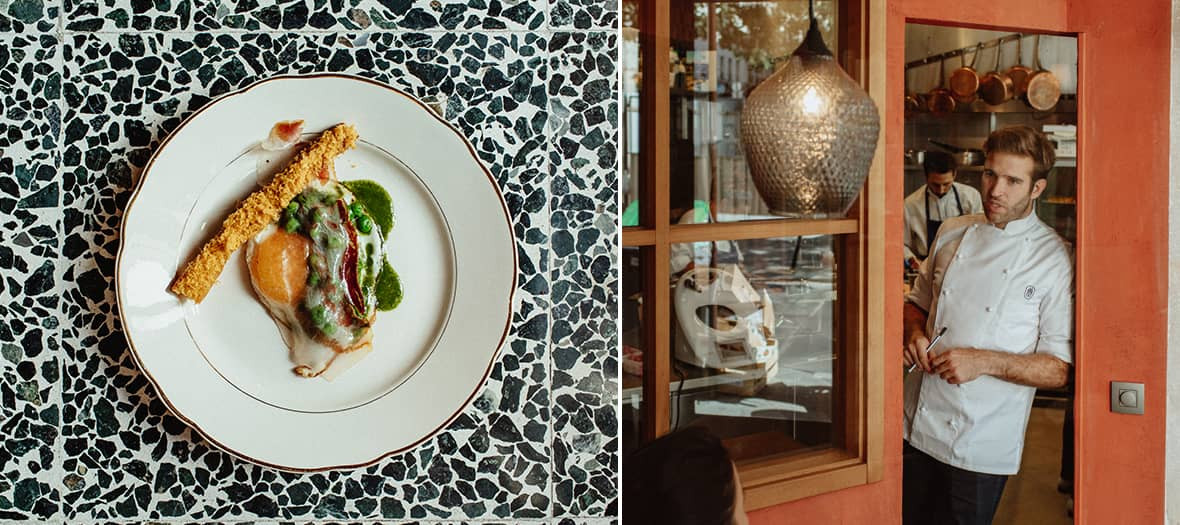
{"x": 260, "y": 209}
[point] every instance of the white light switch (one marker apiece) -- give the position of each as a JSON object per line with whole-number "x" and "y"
{"x": 1126, "y": 398}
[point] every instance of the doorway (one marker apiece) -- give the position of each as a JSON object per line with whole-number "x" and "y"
{"x": 955, "y": 124}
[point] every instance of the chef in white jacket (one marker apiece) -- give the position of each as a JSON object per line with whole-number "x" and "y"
{"x": 936, "y": 201}
{"x": 1001, "y": 283}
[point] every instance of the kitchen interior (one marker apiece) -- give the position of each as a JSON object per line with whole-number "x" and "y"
{"x": 938, "y": 117}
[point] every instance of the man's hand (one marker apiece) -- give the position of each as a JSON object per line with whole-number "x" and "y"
{"x": 915, "y": 351}
{"x": 962, "y": 365}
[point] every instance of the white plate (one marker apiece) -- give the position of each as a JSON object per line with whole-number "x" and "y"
{"x": 222, "y": 367}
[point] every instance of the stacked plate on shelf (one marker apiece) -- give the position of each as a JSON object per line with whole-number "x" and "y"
{"x": 1064, "y": 138}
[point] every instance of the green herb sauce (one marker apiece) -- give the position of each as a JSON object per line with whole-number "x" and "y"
{"x": 376, "y": 201}
{"x": 389, "y": 289}
{"x": 378, "y": 208}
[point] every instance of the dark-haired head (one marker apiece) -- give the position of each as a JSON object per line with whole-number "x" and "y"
{"x": 683, "y": 478}
{"x": 940, "y": 169}
{"x": 938, "y": 162}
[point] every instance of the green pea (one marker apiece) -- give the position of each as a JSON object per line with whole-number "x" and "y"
{"x": 335, "y": 242}
{"x": 356, "y": 210}
{"x": 291, "y": 225}
{"x": 328, "y": 329}
{"x": 317, "y": 215}
{"x": 319, "y": 315}
{"x": 364, "y": 224}
{"x": 293, "y": 207}
{"x": 313, "y": 279}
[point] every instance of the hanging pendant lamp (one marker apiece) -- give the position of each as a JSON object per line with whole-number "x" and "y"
{"x": 809, "y": 133}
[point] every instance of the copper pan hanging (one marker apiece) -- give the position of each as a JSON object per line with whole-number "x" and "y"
{"x": 1044, "y": 89}
{"x": 912, "y": 104}
{"x": 940, "y": 100}
{"x": 995, "y": 88}
{"x": 1019, "y": 73}
{"x": 964, "y": 81}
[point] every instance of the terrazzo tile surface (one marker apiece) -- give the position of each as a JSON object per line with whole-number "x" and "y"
{"x": 86, "y": 102}
{"x": 304, "y": 15}
{"x": 583, "y": 113}
{"x": 593, "y": 15}
{"x": 34, "y": 17}
{"x": 30, "y": 393}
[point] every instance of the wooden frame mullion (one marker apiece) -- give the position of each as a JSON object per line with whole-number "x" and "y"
{"x": 654, "y": 153}
{"x": 873, "y": 43}
{"x": 760, "y": 229}
{"x": 635, "y": 236}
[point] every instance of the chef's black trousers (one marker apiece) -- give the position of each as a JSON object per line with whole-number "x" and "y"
{"x": 934, "y": 493}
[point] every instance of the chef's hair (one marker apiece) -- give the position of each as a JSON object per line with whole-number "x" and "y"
{"x": 1024, "y": 141}
{"x": 683, "y": 478}
{"x": 938, "y": 162}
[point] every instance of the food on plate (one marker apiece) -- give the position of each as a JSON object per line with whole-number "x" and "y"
{"x": 320, "y": 270}
{"x": 315, "y": 253}
{"x": 283, "y": 135}
{"x": 315, "y": 271}
{"x": 261, "y": 208}
{"x": 378, "y": 202}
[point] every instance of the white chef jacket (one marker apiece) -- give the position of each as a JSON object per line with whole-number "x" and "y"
{"x": 1009, "y": 290}
{"x": 941, "y": 209}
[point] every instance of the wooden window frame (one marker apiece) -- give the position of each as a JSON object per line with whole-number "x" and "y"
{"x": 856, "y": 456}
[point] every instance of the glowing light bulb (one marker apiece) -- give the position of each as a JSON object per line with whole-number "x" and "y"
{"x": 812, "y": 102}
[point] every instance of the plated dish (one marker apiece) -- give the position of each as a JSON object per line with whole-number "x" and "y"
{"x": 314, "y": 250}
{"x": 302, "y": 289}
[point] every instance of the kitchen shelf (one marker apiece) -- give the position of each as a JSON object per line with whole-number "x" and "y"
{"x": 968, "y": 169}
{"x": 1061, "y": 163}
{"x": 1067, "y": 104}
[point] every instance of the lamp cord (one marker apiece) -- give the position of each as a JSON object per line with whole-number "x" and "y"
{"x": 679, "y": 389}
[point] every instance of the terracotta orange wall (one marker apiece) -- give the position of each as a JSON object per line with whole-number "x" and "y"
{"x": 1122, "y": 263}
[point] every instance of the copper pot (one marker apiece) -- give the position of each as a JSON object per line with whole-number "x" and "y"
{"x": 912, "y": 103}
{"x": 1044, "y": 89}
{"x": 964, "y": 81}
{"x": 995, "y": 88}
{"x": 1019, "y": 73}
{"x": 940, "y": 100}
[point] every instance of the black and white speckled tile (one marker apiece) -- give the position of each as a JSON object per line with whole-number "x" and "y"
{"x": 125, "y": 456}
{"x": 382, "y": 522}
{"x": 593, "y": 15}
{"x": 587, "y": 521}
{"x": 583, "y": 122}
{"x": 34, "y": 17}
{"x": 304, "y": 15}
{"x": 30, "y": 393}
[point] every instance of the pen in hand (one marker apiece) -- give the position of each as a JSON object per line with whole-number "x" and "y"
{"x": 928, "y": 347}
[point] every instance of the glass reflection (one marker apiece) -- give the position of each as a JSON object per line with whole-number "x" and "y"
{"x": 753, "y": 342}
{"x": 720, "y": 52}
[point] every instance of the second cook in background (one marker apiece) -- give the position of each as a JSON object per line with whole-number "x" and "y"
{"x": 936, "y": 201}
